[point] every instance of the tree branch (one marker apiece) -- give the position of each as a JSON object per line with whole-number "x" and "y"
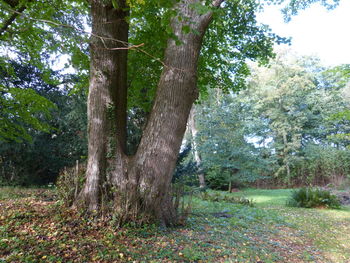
{"x": 206, "y": 19}
{"x": 12, "y": 3}
{"x": 126, "y": 44}
{"x": 11, "y": 19}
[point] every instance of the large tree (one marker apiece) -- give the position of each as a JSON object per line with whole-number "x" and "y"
{"x": 141, "y": 183}
{"x": 174, "y": 33}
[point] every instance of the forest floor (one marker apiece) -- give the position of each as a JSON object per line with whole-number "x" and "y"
{"x": 36, "y": 228}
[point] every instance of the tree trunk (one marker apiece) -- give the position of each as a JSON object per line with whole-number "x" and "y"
{"x": 107, "y": 98}
{"x": 286, "y": 157}
{"x": 139, "y": 186}
{"x": 197, "y": 156}
{"x": 151, "y": 170}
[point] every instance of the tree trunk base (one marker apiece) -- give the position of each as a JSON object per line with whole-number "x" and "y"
{"x": 130, "y": 209}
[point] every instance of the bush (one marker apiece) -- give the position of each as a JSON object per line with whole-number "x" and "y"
{"x": 309, "y": 198}
{"x": 70, "y": 182}
{"x": 217, "y": 197}
{"x": 220, "y": 179}
{"x": 186, "y": 169}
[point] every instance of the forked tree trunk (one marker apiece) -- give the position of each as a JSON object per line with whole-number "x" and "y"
{"x": 141, "y": 183}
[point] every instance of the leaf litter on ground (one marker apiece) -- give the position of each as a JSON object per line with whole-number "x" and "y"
{"x": 33, "y": 229}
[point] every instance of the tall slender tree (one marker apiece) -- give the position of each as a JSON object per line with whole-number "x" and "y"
{"x": 192, "y": 126}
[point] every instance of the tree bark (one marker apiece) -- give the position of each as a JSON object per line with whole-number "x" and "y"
{"x": 141, "y": 184}
{"x": 106, "y": 100}
{"x": 156, "y": 157}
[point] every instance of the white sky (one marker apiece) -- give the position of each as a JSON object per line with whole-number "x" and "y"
{"x": 315, "y": 31}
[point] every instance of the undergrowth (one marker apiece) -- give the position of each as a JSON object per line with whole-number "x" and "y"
{"x": 33, "y": 229}
{"x": 218, "y": 197}
{"x": 313, "y": 198}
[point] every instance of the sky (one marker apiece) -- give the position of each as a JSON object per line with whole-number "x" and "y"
{"x": 315, "y": 31}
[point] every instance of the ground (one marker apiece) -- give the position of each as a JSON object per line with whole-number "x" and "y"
{"x": 35, "y": 228}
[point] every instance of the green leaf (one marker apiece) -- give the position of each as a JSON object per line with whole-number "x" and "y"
{"x": 186, "y": 29}
{"x": 115, "y": 4}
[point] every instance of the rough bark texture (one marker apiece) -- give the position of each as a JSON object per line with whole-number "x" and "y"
{"x": 156, "y": 157}
{"x": 107, "y": 98}
{"x": 141, "y": 183}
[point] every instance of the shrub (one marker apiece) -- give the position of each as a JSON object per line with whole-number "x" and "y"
{"x": 217, "y": 197}
{"x": 70, "y": 182}
{"x": 309, "y": 197}
{"x": 221, "y": 179}
{"x": 186, "y": 169}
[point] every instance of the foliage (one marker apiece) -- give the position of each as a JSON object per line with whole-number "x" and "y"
{"x": 289, "y": 127}
{"x": 294, "y": 6}
{"x": 278, "y": 99}
{"x": 292, "y": 103}
{"x": 45, "y": 29}
{"x": 37, "y": 35}
{"x": 186, "y": 168}
{"x": 322, "y": 164}
{"x": 70, "y": 182}
{"x": 309, "y": 198}
{"x": 60, "y": 28}
{"x": 227, "y": 157}
{"x": 37, "y": 162}
{"x": 20, "y": 109}
{"x": 218, "y": 197}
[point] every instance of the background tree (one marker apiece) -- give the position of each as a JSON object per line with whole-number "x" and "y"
{"x": 229, "y": 159}
{"x": 20, "y": 108}
{"x": 192, "y": 127}
{"x": 39, "y": 159}
{"x": 296, "y": 101}
{"x": 285, "y": 128}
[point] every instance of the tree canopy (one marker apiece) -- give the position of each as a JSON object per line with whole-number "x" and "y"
{"x": 282, "y": 127}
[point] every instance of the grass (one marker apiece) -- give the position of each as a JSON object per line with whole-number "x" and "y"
{"x": 266, "y": 198}
{"x": 327, "y": 228}
{"x": 33, "y": 228}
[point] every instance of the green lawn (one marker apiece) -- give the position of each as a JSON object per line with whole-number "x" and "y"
{"x": 329, "y": 229}
{"x": 33, "y": 228}
{"x": 266, "y": 198}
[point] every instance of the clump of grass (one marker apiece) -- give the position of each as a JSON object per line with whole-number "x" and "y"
{"x": 217, "y": 197}
{"x": 313, "y": 198}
